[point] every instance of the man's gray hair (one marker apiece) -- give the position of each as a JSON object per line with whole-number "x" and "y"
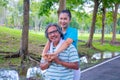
{"x": 57, "y": 27}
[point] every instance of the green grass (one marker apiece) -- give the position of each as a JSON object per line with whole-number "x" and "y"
{"x": 106, "y": 47}
{"x": 10, "y": 39}
{"x": 84, "y": 36}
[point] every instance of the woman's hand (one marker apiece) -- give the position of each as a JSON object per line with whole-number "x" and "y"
{"x": 49, "y": 56}
{"x": 44, "y": 55}
{"x": 52, "y": 56}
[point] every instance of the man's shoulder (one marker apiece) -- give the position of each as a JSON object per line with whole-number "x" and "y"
{"x": 71, "y": 47}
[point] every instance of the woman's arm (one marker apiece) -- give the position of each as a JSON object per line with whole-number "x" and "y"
{"x": 64, "y": 46}
{"x": 46, "y": 48}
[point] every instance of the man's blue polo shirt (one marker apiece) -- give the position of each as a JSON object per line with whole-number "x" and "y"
{"x": 73, "y": 34}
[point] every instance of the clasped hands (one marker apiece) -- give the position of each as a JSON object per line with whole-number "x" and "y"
{"x": 49, "y": 57}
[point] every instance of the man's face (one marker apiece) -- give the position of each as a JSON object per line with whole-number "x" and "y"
{"x": 64, "y": 20}
{"x": 53, "y": 35}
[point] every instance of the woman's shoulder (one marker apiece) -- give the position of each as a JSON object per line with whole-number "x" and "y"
{"x": 72, "y": 28}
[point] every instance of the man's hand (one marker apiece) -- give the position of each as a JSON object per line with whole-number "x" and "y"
{"x": 56, "y": 60}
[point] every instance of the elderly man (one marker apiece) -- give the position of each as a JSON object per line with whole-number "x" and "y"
{"x": 61, "y": 67}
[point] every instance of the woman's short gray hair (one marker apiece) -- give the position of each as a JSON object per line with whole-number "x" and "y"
{"x": 57, "y": 27}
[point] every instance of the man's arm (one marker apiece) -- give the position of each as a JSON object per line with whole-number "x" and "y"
{"x": 71, "y": 65}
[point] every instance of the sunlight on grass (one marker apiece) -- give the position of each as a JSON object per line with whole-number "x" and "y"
{"x": 106, "y": 47}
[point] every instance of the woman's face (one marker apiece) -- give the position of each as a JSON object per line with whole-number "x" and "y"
{"x": 64, "y": 20}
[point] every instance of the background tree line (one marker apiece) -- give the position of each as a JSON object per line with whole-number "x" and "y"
{"x": 43, "y": 12}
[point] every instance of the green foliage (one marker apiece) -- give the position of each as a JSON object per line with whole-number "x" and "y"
{"x": 83, "y": 19}
{"x": 109, "y": 3}
{"x": 99, "y": 21}
{"x": 45, "y": 7}
{"x": 74, "y": 23}
{"x": 34, "y": 8}
{"x": 72, "y": 4}
{"x": 15, "y": 16}
{"x": 3, "y": 2}
{"x": 20, "y": 7}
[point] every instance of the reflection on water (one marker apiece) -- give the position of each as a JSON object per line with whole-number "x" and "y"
{"x": 8, "y": 75}
{"x": 34, "y": 73}
{"x": 88, "y": 61}
{"x": 84, "y": 59}
{"x": 96, "y": 56}
{"x": 107, "y": 55}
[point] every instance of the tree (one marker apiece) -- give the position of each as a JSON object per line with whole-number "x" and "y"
{"x": 25, "y": 31}
{"x": 104, "y": 3}
{"x": 89, "y": 42}
{"x": 114, "y": 23}
{"x": 103, "y": 24}
{"x": 62, "y": 5}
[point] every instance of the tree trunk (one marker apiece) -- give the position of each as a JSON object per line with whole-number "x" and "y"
{"x": 114, "y": 23}
{"x": 2, "y": 15}
{"x": 103, "y": 24}
{"x": 25, "y": 32}
{"x": 36, "y": 20}
{"x": 62, "y": 5}
{"x": 89, "y": 43}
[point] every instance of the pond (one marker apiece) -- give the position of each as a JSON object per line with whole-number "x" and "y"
{"x": 34, "y": 72}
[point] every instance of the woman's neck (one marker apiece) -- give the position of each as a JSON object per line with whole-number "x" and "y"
{"x": 64, "y": 29}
